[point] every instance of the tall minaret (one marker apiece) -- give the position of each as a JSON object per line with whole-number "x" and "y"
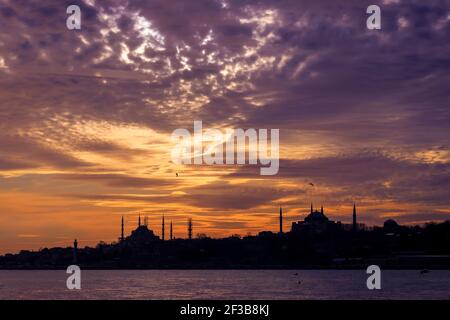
{"x": 162, "y": 231}
{"x": 139, "y": 221}
{"x": 190, "y": 228}
{"x": 171, "y": 230}
{"x": 311, "y": 208}
{"x": 355, "y": 227}
{"x": 75, "y": 251}
{"x": 146, "y": 221}
{"x": 122, "y": 236}
{"x": 281, "y": 220}
{"x": 321, "y": 209}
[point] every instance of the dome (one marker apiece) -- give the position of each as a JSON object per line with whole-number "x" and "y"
{"x": 316, "y": 216}
{"x": 390, "y": 223}
{"x": 142, "y": 234}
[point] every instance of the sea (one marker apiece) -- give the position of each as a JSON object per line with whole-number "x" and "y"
{"x": 224, "y": 284}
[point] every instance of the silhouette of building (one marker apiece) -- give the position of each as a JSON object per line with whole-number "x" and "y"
{"x": 389, "y": 245}
{"x": 354, "y": 225}
{"x": 190, "y": 229}
{"x": 122, "y": 237}
{"x": 142, "y": 234}
{"x": 162, "y": 227}
{"x": 75, "y": 251}
{"x": 315, "y": 222}
{"x": 391, "y": 226}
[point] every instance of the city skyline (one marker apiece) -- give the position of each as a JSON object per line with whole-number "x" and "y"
{"x": 138, "y": 220}
{"x": 87, "y": 115}
{"x": 315, "y": 241}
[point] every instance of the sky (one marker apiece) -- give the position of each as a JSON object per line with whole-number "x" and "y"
{"x": 86, "y": 115}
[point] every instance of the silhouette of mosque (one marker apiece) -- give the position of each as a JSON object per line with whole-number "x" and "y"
{"x": 141, "y": 235}
{"x": 144, "y": 235}
{"x": 317, "y": 222}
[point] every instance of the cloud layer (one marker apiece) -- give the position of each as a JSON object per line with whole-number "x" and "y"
{"x": 86, "y": 115}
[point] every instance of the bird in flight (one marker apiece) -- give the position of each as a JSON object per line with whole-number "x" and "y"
{"x": 311, "y": 184}
{"x": 176, "y": 174}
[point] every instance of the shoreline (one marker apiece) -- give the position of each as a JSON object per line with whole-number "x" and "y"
{"x": 334, "y": 268}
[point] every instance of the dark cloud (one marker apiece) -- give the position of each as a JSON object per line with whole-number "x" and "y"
{"x": 225, "y": 196}
{"x": 366, "y": 175}
{"x": 219, "y": 196}
{"x": 118, "y": 180}
{"x": 14, "y": 165}
{"x": 422, "y": 217}
{"x": 25, "y": 152}
{"x": 334, "y": 72}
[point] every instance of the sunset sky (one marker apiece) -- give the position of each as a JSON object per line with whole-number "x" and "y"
{"x": 86, "y": 116}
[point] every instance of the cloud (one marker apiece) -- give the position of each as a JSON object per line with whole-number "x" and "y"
{"x": 362, "y": 113}
{"x": 422, "y": 217}
{"x": 6, "y": 165}
{"x": 118, "y": 180}
{"x": 20, "y": 152}
{"x": 225, "y": 196}
{"x": 369, "y": 174}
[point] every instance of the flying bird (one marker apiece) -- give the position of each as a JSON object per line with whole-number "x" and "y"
{"x": 311, "y": 184}
{"x": 176, "y": 174}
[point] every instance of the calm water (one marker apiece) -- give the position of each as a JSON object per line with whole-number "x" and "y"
{"x": 225, "y": 284}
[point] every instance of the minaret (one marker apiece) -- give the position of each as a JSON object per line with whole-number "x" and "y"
{"x": 171, "y": 230}
{"x": 139, "y": 221}
{"x": 321, "y": 209}
{"x": 163, "y": 231}
{"x": 355, "y": 227}
{"x": 122, "y": 236}
{"x": 75, "y": 251}
{"x": 281, "y": 220}
{"x": 311, "y": 208}
{"x": 190, "y": 229}
{"x": 146, "y": 221}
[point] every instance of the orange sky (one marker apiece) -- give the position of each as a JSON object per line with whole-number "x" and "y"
{"x": 86, "y": 116}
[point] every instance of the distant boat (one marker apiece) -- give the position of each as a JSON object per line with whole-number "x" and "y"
{"x": 424, "y": 271}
